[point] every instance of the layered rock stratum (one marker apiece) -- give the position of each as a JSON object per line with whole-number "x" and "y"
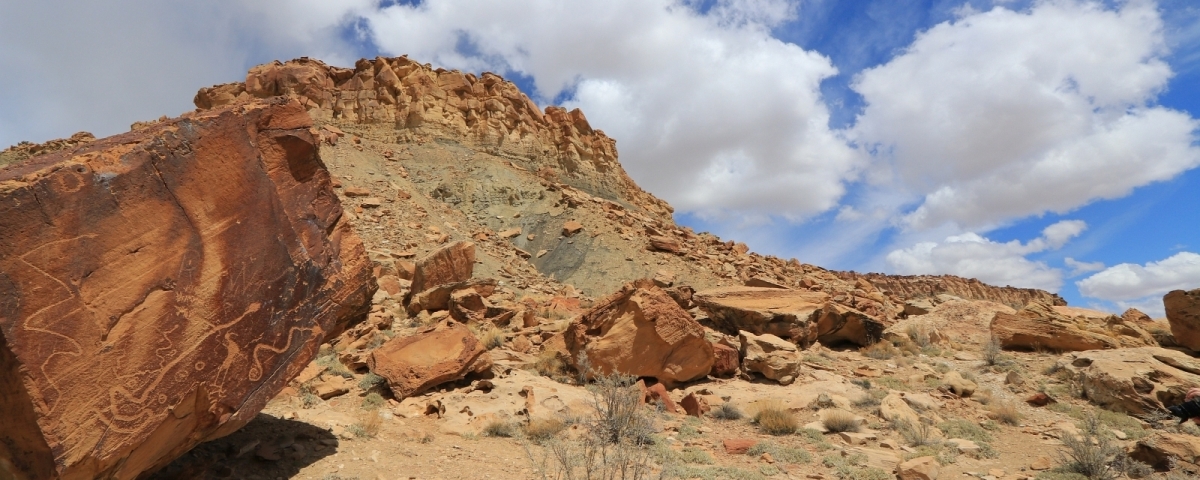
{"x": 157, "y": 288}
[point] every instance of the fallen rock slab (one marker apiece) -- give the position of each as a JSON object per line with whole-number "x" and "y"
{"x": 1068, "y": 329}
{"x": 450, "y": 264}
{"x": 443, "y": 353}
{"x": 788, "y": 314}
{"x": 160, "y": 286}
{"x": 641, "y": 331}
{"x": 1134, "y": 380}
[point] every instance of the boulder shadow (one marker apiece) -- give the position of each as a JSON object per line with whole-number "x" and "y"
{"x": 266, "y": 448}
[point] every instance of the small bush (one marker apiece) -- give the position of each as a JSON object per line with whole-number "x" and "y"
{"x": 726, "y": 411}
{"x": 370, "y": 381}
{"x": 542, "y": 429}
{"x": 695, "y": 455}
{"x": 837, "y": 420}
{"x": 334, "y": 366}
{"x": 780, "y": 453}
{"x": 966, "y": 430}
{"x": 1089, "y": 453}
{"x": 367, "y": 426}
{"x": 919, "y": 334}
{"x": 814, "y": 438}
{"x": 881, "y": 351}
{"x": 500, "y": 428}
{"x": 308, "y": 396}
{"x": 870, "y": 399}
{"x": 774, "y": 419}
{"x": 917, "y": 435}
{"x": 548, "y": 364}
{"x": 862, "y": 383}
{"x": 852, "y": 468}
{"x": 984, "y": 396}
{"x": 1006, "y": 412}
{"x": 373, "y": 401}
{"x": 491, "y": 338}
{"x": 991, "y": 351}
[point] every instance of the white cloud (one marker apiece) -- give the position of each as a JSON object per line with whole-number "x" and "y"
{"x": 100, "y": 66}
{"x": 1079, "y": 268}
{"x": 974, "y": 256}
{"x": 1132, "y": 282}
{"x": 709, "y": 111}
{"x": 1000, "y": 115}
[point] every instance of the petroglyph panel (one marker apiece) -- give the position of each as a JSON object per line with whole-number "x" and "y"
{"x": 158, "y": 287}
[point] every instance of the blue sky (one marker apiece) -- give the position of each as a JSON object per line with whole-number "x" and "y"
{"x": 1049, "y": 144}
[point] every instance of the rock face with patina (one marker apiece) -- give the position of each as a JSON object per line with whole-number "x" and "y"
{"x": 159, "y": 286}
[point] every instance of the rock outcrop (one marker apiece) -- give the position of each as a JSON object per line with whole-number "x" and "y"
{"x": 1134, "y": 380}
{"x": 801, "y": 317}
{"x": 420, "y": 100}
{"x": 450, "y": 264}
{"x": 770, "y": 356}
{"x": 1183, "y": 313}
{"x": 1062, "y": 328}
{"x": 442, "y": 353}
{"x": 928, "y": 286}
{"x": 641, "y": 331}
{"x": 158, "y": 287}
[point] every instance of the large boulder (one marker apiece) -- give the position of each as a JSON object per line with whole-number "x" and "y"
{"x": 1183, "y": 313}
{"x": 771, "y": 356}
{"x": 1164, "y": 451}
{"x": 450, "y": 264}
{"x": 159, "y": 286}
{"x": 1134, "y": 380}
{"x": 841, "y": 324}
{"x": 788, "y": 314}
{"x": 641, "y": 331}
{"x": 445, "y": 352}
{"x": 1062, "y": 328}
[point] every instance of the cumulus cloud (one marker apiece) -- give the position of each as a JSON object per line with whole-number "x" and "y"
{"x": 1003, "y": 114}
{"x": 100, "y": 66}
{"x": 974, "y": 256}
{"x": 709, "y": 110}
{"x": 1079, "y": 268}
{"x": 1130, "y": 281}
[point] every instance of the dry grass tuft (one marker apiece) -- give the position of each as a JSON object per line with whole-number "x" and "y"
{"x": 774, "y": 419}
{"x": 1006, "y": 412}
{"x": 838, "y": 420}
{"x": 368, "y": 424}
{"x": 727, "y": 411}
{"x": 991, "y": 351}
{"x": 542, "y": 429}
{"x": 881, "y": 351}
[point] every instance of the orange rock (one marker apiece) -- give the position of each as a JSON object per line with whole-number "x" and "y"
{"x": 725, "y": 361}
{"x": 1039, "y": 399}
{"x": 738, "y": 446}
{"x": 665, "y": 244}
{"x": 571, "y": 228}
{"x": 356, "y": 192}
{"x": 694, "y": 405}
{"x": 658, "y": 393}
{"x": 215, "y": 240}
{"x": 1183, "y": 313}
{"x": 641, "y": 331}
{"x": 443, "y": 353}
{"x": 449, "y": 264}
{"x": 1039, "y": 325}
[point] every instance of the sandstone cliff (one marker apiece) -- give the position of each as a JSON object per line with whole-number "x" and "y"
{"x": 922, "y": 286}
{"x": 420, "y": 101}
{"x": 157, "y": 288}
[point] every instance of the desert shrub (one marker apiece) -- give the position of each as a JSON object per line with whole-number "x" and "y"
{"x": 917, "y": 435}
{"x": 726, "y": 411}
{"x": 838, "y": 420}
{"x": 615, "y": 443}
{"x": 542, "y": 429}
{"x": 862, "y": 383}
{"x": 548, "y": 364}
{"x": 373, "y": 401}
{"x": 919, "y": 334}
{"x": 853, "y": 468}
{"x": 881, "y": 351}
{"x": 1090, "y": 453}
{"x": 709, "y": 473}
{"x": 780, "y": 453}
{"x": 892, "y": 383}
{"x": 984, "y": 396}
{"x": 1006, "y": 412}
{"x": 814, "y": 438}
{"x": 695, "y": 455}
{"x": 334, "y": 366}
{"x": 367, "y": 426}
{"x": 870, "y": 399}
{"x": 308, "y": 396}
{"x": 774, "y": 419}
{"x": 991, "y": 351}
{"x": 817, "y": 359}
{"x": 500, "y": 428}
{"x": 370, "y": 381}
{"x": 964, "y": 429}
